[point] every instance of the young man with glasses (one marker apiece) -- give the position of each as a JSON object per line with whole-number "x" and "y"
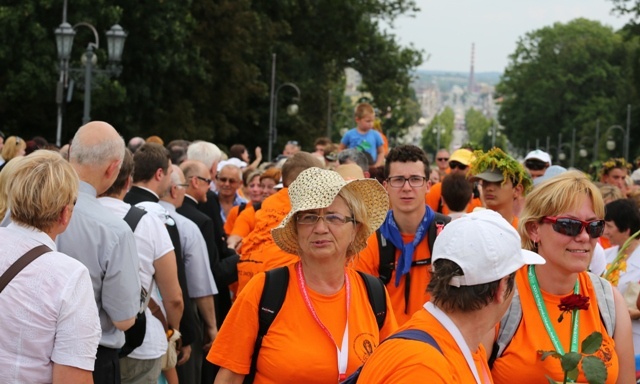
{"x": 406, "y": 229}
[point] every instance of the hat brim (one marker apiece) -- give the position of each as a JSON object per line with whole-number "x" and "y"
{"x": 532, "y": 258}
{"x": 369, "y": 191}
{"x": 489, "y": 176}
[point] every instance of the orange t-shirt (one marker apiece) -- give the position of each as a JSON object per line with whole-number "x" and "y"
{"x": 240, "y": 224}
{"x": 259, "y": 252}
{"x": 296, "y": 349}
{"x": 432, "y": 198}
{"x": 400, "y": 361}
{"x": 514, "y": 222}
{"x": 521, "y": 361}
{"x": 368, "y": 261}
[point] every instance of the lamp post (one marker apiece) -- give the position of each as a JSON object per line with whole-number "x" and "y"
{"x": 494, "y": 132}
{"x": 292, "y": 109}
{"x": 65, "y": 34}
{"x": 611, "y": 144}
{"x": 438, "y": 131}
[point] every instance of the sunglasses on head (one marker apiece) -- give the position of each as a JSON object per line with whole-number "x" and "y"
{"x": 454, "y": 164}
{"x": 573, "y": 227}
{"x": 535, "y": 165}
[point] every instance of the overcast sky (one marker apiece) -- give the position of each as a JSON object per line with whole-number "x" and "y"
{"x": 445, "y": 29}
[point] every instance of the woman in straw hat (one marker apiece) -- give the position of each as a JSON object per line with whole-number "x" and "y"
{"x": 326, "y": 327}
{"x": 561, "y": 304}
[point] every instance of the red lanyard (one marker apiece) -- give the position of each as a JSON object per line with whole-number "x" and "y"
{"x": 343, "y": 352}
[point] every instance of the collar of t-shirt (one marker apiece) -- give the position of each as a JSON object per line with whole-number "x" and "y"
{"x": 453, "y": 330}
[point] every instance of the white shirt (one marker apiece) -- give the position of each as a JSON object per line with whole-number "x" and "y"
{"x": 632, "y": 274}
{"x": 152, "y": 243}
{"x": 48, "y": 314}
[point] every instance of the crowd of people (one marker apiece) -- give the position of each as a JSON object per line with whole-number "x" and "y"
{"x": 154, "y": 262}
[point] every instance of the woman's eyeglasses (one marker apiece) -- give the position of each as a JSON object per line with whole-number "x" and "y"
{"x": 331, "y": 219}
{"x": 573, "y": 227}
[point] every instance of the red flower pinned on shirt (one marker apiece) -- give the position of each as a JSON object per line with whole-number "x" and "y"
{"x": 571, "y": 303}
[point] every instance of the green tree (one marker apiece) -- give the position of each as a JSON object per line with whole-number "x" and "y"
{"x": 443, "y": 122}
{"x": 561, "y": 77}
{"x": 201, "y": 69}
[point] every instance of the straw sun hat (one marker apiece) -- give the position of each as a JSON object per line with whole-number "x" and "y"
{"x": 317, "y": 188}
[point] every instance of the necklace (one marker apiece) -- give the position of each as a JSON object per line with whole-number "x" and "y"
{"x": 343, "y": 350}
{"x": 544, "y": 315}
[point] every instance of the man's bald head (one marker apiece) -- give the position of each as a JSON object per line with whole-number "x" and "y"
{"x": 96, "y": 143}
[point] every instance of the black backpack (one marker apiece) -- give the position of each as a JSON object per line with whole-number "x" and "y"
{"x": 274, "y": 292}
{"x": 407, "y": 334}
{"x": 134, "y": 336}
{"x": 387, "y": 253}
{"x": 256, "y": 206}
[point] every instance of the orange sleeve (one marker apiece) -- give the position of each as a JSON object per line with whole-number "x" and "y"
{"x": 244, "y": 223}
{"x": 233, "y": 347}
{"x": 231, "y": 219}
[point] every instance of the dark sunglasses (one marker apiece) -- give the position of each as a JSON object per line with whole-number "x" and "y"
{"x": 442, "y": 159}
{"x": 535, "y": 165}
{"x": 455, "y": 164}
{"x": 573, "y": 227}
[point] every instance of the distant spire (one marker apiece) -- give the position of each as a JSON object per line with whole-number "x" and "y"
{"x": 472, "y": 81}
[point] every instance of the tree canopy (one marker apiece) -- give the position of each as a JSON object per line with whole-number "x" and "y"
{"x": 202, "y": 68}
{"x": 565, "y": 76}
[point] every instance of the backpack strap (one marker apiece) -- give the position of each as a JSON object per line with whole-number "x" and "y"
{"x": 377, "y": 297}
{"x": 21, "y": 263}
{"x": 606, "y": 304}
{"x": 387, "y": 254}
{"x": 257, "y": 206}
{"x": 241, "y": 207}
{"x": 275, "y": 289}
{"x": 437, "y": 225}
{"x": 133, "y": 217}
{"x": 508, "y": 326}
{"x": 416, "y": 334}
{"x": 407, "y": 334}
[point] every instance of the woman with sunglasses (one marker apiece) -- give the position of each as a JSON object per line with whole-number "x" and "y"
{"x": 561, "y": 221}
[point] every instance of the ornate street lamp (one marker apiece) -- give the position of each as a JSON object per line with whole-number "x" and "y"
{"x": 292, "y": 108}
{"x": 65, "y": 34}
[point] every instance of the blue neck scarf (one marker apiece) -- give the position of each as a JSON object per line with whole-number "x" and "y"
{"x": 389, "y": 229}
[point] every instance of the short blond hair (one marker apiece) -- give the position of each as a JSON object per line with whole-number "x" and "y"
{"x": 42, "y": 185}
{"x": 6, "y": 177}
{"x": 364, "y": 109}
{"x": 558, "y": 194}
{"x": 12, "y": 146}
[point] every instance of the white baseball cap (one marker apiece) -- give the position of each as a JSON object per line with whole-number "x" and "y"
{"x": 484, "y": 245}
{"x": 539, "y": 155}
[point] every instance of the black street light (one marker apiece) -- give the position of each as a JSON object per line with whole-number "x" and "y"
{"x": 65, "y": 34}
{"x": 292, "y": 109}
